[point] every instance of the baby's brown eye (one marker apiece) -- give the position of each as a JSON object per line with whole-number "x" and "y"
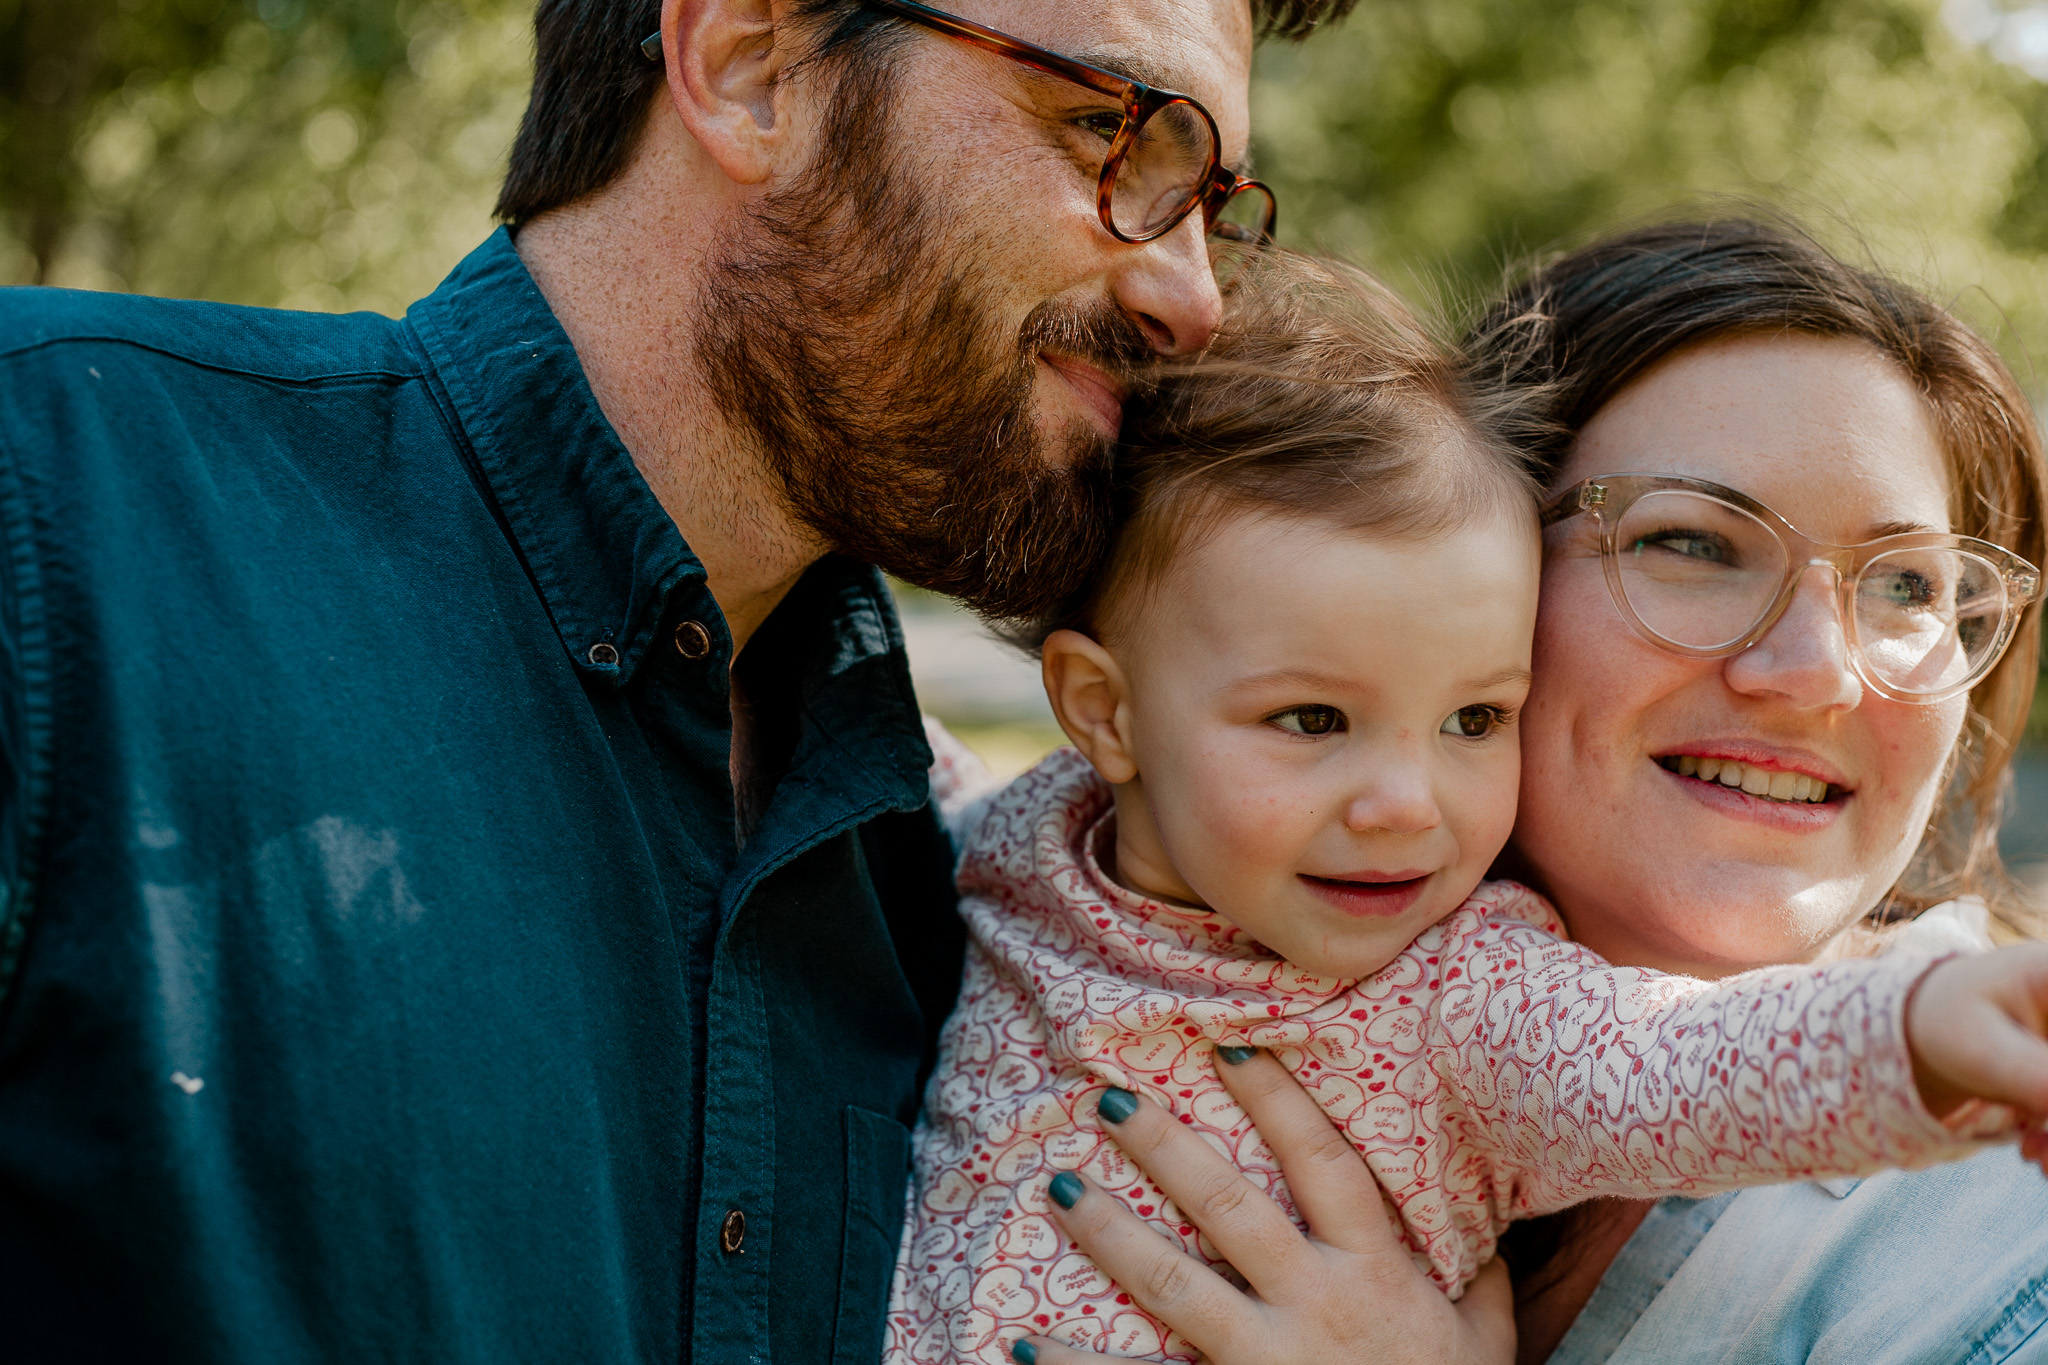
{"x": 1310, "y": 720}
{"x": 1472, "y": 722}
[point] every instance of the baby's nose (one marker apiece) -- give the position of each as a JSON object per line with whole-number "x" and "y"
{"x": 1400, "y": 799}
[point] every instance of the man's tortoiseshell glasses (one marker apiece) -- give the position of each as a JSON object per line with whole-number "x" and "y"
{"x": 1164, "y": 157}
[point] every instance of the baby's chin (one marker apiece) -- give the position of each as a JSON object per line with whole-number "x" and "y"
{"x": 1351, "y": 932}
{"x": 1349, "y": 953}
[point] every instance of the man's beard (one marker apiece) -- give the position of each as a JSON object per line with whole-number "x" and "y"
{"x": 846, "y": 337}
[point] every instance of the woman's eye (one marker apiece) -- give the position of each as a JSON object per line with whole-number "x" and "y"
{"x": 1310, "y": 720}
{"x": 1902, "y": 589}
{"x": 1473, "y": 722}
{"x": 1699, "y": 546}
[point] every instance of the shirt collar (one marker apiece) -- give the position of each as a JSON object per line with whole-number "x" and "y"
{"x": 600, "y": 547}
{"x": 604, "y": 554}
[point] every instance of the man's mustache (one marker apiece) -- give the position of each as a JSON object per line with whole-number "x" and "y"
{"x": 1099, "y": 334}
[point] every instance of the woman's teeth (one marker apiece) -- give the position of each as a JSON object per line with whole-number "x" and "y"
{"x": 1755, "y": 781}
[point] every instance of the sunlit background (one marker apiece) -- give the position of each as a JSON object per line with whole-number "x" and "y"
{"x": 344, "y": 154}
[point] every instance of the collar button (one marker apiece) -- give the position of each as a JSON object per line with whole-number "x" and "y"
{"x": 692, "y": 640}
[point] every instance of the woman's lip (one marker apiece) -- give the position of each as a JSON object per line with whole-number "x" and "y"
{"x": 1371, "y": 895}
{"x": 1801, "y": 817}
{"x": 1099, "y": 393}
{"x": 1769, "y": 757}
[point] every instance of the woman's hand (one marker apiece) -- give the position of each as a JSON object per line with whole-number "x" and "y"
{"x": 1347, "y": 1294}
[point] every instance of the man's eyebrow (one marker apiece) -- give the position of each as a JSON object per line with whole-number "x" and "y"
{"x": 1138, "y": 69}
{"x": 1132, "y": 69}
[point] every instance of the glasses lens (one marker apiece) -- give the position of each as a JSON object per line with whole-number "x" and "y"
{"x": 1240, "y": 232}
{"x": 1246, "y": 216}
{"x": 1695, "y": 570}
{"x": 1930, "y": 620}
{"x": 1164, "y": 170}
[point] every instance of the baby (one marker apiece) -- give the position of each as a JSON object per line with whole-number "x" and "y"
{"x": 1292, "y": 696}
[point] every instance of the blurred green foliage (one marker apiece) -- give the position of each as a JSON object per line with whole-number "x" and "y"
{"x": 1440, "y": 140}
{"x": 330, "y": 154}
{"x": 344, "y": 153}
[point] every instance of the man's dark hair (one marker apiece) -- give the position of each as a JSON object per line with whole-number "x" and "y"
{"x": 592, "y": 86}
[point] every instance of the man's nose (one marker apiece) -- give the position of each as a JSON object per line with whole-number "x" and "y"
{"x": 1169, "y": 289}
{"x": 1804, "y": 658}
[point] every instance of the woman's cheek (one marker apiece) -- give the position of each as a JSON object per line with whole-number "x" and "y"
{"x": 1913, "y": 741}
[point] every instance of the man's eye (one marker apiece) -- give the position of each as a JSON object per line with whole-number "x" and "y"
{"x": 1473, "y": 722}
{"x": 1103, "y": 125}
{"x": 1310, "y": 720}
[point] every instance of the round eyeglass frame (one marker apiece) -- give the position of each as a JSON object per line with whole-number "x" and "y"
{"x": 1608, "y": 498}
{"x": 1210, "y": 191}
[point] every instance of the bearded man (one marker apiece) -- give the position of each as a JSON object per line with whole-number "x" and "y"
{"x": 466, "y": 891}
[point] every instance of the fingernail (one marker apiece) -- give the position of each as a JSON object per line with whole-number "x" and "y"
{"x": 1116, "y": 1105}
{"x": 1237, "y": 1056}
{"x": 1066, "y": 1189}
{"x": 1023, "y": 1352}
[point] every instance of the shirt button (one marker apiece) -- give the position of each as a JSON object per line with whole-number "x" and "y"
{"x": 694, "y": 642}
{"x": 732, "y": 1233}
{"x": 604, "y": 655}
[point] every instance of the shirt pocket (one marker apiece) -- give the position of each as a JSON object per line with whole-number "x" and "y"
{"x": 877, "y": 1174}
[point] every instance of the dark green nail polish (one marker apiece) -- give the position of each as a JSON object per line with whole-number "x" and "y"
{"x": 1237, "y": 1056}
{"x": 1023, "y": 1352}
{"x": 1066, "y": 1189}
{"x": 1116, "y": 1105}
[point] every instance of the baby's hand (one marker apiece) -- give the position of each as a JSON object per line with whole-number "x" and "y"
{"x": 1978, "y": 1028}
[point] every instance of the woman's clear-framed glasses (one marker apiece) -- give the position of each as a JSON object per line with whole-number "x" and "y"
{"x": 1705, "y": 571}
{"x": 1163, "y": 159}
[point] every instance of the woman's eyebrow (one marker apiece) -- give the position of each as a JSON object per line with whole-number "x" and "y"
{"x": 1902, "y": 528}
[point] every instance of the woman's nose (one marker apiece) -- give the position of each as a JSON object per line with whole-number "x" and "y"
{"x": 1804, "y": 658}
{"x": 1399, "y": 798}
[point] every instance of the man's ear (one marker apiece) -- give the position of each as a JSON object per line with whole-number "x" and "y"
{"x": 1091, "y": 700}
{"x": 725, "y": 60}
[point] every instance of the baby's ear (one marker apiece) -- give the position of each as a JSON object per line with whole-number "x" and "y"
{"x": 1091, "y": 701}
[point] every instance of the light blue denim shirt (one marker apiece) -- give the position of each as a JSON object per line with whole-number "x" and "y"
{"x": 1905, "y": 1268}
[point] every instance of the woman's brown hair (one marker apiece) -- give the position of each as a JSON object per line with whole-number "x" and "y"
{"x": 1577, "y": 329}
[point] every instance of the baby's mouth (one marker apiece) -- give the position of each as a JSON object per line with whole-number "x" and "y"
{"x": 1368, "y": 896}
{"x": 1765, "y": 783}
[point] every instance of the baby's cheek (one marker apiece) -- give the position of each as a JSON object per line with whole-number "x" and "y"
{"x": 1250, "y": 827}
{"x": 1485, "y": 813}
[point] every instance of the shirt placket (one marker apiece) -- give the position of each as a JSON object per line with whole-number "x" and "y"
{"x": 734, "y": 1216}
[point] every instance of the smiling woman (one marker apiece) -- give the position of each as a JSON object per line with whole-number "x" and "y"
{"x": 1839, "y": 408}
{"x": 1846, "y": 411}
{"x": 1832, "y": 435}
{"x": 1876, "y": 418}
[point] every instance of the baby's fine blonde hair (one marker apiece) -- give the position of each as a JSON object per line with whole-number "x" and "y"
{"x": 1322, "y": 397}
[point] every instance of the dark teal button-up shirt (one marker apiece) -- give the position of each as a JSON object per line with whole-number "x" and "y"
{"x": 385, "y": 977}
